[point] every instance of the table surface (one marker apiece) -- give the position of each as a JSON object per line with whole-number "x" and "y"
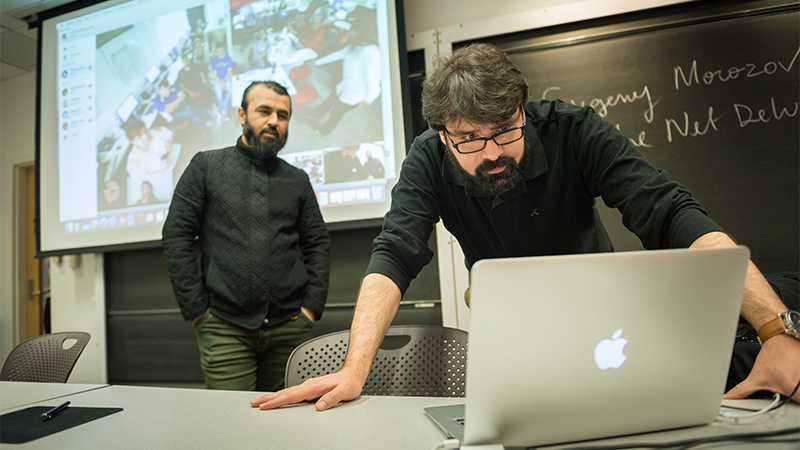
{"x": 169, "y": 418}
{"x": 14, "y": 395}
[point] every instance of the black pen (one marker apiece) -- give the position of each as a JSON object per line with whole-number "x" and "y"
{"x": 54, "y": 412}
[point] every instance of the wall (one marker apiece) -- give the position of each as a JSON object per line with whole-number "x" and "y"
{"x": 79, "y": 303}
{"x": 78, "y": 294}
{"x": 16, "y": 149}
{"x": 442, "y": 22}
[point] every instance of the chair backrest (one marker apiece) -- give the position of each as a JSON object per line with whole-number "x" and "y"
{"x": 414, "y": 360}
{"x": 44, "y": 359}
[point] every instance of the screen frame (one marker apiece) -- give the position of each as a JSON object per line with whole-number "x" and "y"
{"x": 404, "y": 131}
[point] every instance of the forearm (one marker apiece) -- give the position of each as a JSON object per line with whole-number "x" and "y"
{"x": 760, "y": 303}
{"x": 377, "y": 305}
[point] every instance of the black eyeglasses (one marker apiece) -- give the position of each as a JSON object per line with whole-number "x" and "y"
{"x": 504, "y": 137}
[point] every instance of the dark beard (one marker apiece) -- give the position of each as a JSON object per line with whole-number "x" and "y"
{"x": 264, "y": 150}
{"x": 491, "y": 184}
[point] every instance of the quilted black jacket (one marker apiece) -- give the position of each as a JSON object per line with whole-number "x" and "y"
{"x": 264, "y": 244}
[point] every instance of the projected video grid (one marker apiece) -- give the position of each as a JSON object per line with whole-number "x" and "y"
{"x": 141, "y": 95}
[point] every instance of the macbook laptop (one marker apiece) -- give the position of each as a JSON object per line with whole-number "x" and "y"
{"x": 578, "y": 347}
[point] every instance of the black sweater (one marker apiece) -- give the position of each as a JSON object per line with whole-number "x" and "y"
{"x": 264, "y": 244}
{"x": 573, "y": 157}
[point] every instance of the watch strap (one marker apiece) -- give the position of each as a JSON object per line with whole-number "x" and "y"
{"x": 770, "y": 329}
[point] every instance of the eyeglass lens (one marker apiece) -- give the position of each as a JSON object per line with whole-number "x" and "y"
{"x": 502, "y": 138}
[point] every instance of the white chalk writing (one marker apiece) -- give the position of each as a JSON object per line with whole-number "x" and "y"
{"x": 601, "y": 105}
{"x": 749, "y": 70}
{"x": 639, "y": 141}
{"x": 695, "y": 130}
{"x": 747, "y": 116}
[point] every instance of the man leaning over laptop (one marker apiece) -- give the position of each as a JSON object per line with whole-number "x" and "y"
{"x": 511, "y": 178}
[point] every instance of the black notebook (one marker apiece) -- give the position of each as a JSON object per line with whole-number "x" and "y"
{"x": 27, "y": 425}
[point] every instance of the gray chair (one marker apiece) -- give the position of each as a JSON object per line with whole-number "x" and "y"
{"x": 44, "y": 359}
{"x": 414, "y": 360}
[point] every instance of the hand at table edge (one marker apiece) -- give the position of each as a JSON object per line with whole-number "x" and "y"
{"x": 329, "y": 389}
{"x": 776, "y": 369}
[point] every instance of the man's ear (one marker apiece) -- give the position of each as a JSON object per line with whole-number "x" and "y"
{"x": 242, "y": 115}
{"x": 442, "y": 138}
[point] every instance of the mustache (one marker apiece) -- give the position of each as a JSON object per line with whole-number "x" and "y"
{"x": 488, "y": 164}
{"x": 270, "y": 129}
{"x": 266, "y": 148}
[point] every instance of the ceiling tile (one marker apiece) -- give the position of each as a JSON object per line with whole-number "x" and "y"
{"x": 8, "y": 71}
{"x": 18, "y": 50}
{"x": 33, "y": 33}
{"x": 12, "y": 23}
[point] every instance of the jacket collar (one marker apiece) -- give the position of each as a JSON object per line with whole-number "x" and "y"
{"x": 245, "y": 150}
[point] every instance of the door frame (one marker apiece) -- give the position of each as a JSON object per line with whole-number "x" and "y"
{"x": 33, "y": 288}
{"x": 21, "y": 232}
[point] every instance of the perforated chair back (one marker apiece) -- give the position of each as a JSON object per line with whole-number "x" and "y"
{"x": 44, "y": 359}
{"x": 413, "y": 361}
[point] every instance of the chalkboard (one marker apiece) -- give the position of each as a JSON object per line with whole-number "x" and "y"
{"x": 712, "y": 98}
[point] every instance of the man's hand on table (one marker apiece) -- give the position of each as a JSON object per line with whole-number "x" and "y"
{"x": 776, "y": 369}
{"x": 329, "y": 389}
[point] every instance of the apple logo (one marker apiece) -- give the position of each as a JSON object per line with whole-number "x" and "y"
{"x": 609, "y": 352}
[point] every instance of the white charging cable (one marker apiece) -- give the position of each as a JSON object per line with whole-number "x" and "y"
{"x": 447, "y": 444}
{"x": 737, "y": 416}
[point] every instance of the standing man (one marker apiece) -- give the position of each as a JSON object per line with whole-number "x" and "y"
{"x": 263, "y": 276}
{"x": 222, "y": 70}
{"x": 509, "y": 178}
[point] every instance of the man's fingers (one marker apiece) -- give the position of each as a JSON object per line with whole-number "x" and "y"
{"x": 741, "y": 390}
{"x": 346, "y": 389}
{"x": 310, "y": 389}
{"x": 324, "y": 403}
{"x": 332, "y": 398}
{"x": 263, "y": 399}
{"x": 775, "y": 370}
{"x": 329, "y": 389}
{"x": 287, "y": 397}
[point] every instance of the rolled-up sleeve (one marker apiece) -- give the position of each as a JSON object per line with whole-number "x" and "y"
{"x": 401, "y": 249}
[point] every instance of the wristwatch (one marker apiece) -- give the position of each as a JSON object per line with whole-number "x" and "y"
{"x": 787, "y": 322}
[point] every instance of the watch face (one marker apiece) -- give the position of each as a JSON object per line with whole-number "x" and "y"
{"x": 792, "y": 320}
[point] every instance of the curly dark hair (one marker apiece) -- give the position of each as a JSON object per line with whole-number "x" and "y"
{"x": 477, "y": 83}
